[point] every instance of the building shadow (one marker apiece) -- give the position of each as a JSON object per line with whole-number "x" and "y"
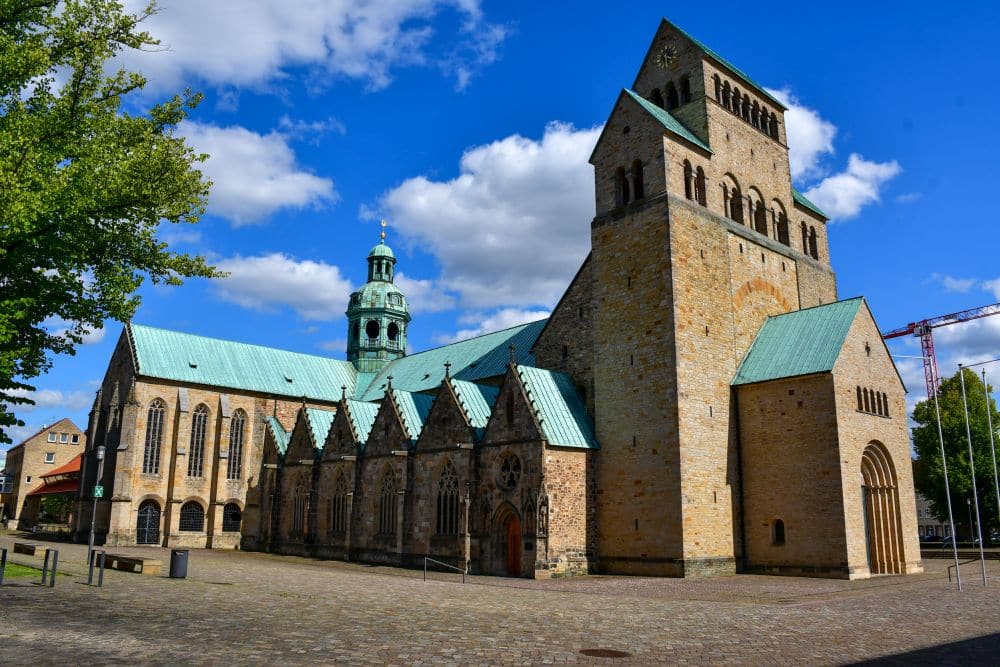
{"x": 977, "y": 650}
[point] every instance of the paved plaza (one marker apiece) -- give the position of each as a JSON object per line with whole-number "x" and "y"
{"x": 240, "y": 607}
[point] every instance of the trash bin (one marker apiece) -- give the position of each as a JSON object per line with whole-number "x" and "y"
{"x": 178, "y": 563}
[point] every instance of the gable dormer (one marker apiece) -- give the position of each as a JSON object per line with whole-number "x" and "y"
{"x": 308, "y": 436}
{"x": 388, "y": 433}
{"x": 446, "y": 425}
{"x": 512, "y": 418}
{"x": 350, "y": 429}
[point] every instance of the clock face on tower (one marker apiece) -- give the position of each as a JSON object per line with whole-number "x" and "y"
{"x": 666, "y": 57}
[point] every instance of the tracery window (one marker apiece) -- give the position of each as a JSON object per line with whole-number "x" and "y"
{"x": 196, "y": 457}
{"x": 192, "y": 517}
{"x": 387, "y": 505}
{"x": 154, "y": 438}
{"x": 448, "y": 501}
{"x": 338, "y": 506}
{"x": 232, "y": 518}
{"x": 234, "y": 467}
{"x": 300, "y": 505}
{"x": 510, "y": 471}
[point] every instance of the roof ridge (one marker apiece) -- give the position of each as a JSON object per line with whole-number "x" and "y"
{"x": 655, "y": 111}
{"x": 482, "y": 335}
{"x": 818, "y": 305}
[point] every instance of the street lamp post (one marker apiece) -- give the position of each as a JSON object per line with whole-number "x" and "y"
{"x": 972, "y": 467}
{"x": 94, "y": 492}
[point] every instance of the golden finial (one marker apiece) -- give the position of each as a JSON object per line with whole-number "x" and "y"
{"x": 382, "y": 233}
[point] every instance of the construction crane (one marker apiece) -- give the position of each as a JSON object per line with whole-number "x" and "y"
{"x": 924, "y": 330}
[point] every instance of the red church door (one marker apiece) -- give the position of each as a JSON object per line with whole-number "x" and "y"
{"x": 513, "y": 546}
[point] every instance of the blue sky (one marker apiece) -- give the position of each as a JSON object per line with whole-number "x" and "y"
{"x": 467, "y": 124}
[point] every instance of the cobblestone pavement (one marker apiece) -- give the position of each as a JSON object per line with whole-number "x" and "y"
{"x": 240, "y": 607}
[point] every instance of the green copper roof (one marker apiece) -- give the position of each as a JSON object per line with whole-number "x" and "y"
{"x": 798, "y": 343}
{"x": 473, "y": 359}
{"x": 728, "y": 65}
{"x": 278, "y": 432}
{"x": 477, "y": 401}
{"x": 413, "y": 408}
{"x": 381, "y": 250}
{"x": 362, "y": 415}
{"x": 668, "y": 121}
{"x": 222, "y": 363}
{"x": 319, "y": 422}
{"x": 801, "y": 200}
{"x": 559, "y": 408}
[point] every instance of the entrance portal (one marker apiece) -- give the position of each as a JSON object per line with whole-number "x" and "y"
{"x": 881, "y": 506}
{"x": 512, "y": 528}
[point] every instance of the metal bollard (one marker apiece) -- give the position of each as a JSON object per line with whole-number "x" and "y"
{"x": 52, "y": 575}
{"x": 100, "y": 575}
{"x": 3, "y": 564}
{"x": 45, "y": 567}
{"x": 90, "y": 568}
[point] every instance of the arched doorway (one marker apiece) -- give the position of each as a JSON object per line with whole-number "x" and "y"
{"x": 512, "y": 545}
{"x": 883, "y": 530}
{"x": 147, "y": 529}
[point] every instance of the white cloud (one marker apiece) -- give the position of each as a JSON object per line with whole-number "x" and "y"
{"x": 19, "y": 434}
{"x": 513, "y": 226}
{"x": 967, "y": 343}
{"x": 253, "y": 175}
{"x": 52, "y": 399}
{"x": 499, "y": 320}
{"x": 953, "y": 284}
{"x": 810, "y": 137}
{"x": 843, "y": 195}
{"x": 993, "y": 286}
{"x": 252, "y": 43}
{"x": 426, "y": 296}
{"x": 180, "y": 236}
{"x": 311, "y": 130}
{"x": 57, "y": 326}
{"x": 314, "y": 290}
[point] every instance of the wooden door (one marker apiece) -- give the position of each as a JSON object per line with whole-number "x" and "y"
{"x": 513, "y": 547}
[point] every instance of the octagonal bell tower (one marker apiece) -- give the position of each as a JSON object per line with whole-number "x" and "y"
{"x": 377, "y": 314}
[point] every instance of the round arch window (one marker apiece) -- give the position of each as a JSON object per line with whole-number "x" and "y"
{"x": 372, "y": 329}
{"x": 392, "y": 331}
{"x": 510, "y": 471}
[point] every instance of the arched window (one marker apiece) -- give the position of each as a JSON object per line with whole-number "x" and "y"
{"x": 737, "y": 101}
{"x": 861, "y": 405}
{"x": 147, "y": 529}
{"x": 867, "y": 397}
{"x": 813, "y": 252}
{"x": 673, "y": 101}
{"x": 755, "y": 115}
{"x": 387, "y": 504}
{"x": 621, "y": 187}
{"x": 192, "y": 517}
{"x": 530, "y": 517}
{"x": 372, "y": 329}
{"x": 745, "y": 110}
{"x": 699, "y": 187}
{"x": 688, "y": 181}
{"x": 805, "y": 239}
{"x": 778, "y": 532}
{"x": 392, "y": 331}
{"x": 447, "y": 501}
{"x": 300, "y": 507}
{"x": 885, "y": 404}
{"x": 338, "y": 506}
{"x": 638, "y": 188}
{"x": 780, "y": 222}
{"x": 196, "y": 457}
{"x": 772, "y": 127}
{"x": 232, "y": 518}
{"x": 726, "y": 96}
{"x": 685, "y": 89}
{"x": 356, "y": 330}
{"x": 154, "y": 438}
{"x": 237, "y": 426}
{"x": 733, "y": 198}
{"x": 758, "y": 212}
{"x": 656, "y": 97}
{"x": 718, "y": 88}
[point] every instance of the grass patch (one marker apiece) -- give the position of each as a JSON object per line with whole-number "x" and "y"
{"x": 15, "y": 571}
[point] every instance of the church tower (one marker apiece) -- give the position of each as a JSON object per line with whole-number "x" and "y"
{"x": 377, "y": 314}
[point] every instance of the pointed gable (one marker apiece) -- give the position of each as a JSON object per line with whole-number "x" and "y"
{"x": 413, "y": 409}
{"x": 446, "y": 424}
{"x": 277, "y": 432}
{"x": 308, "y": 436}
{"x": 512, "y": 417}
{"x": 801, "y": 342}
{"x": 558, "y": 407}
{"x": 388, "y": 433}
{"x": 476, "y": 402}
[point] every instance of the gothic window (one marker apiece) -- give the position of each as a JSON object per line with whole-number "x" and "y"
{"x": 699, "y": 187}
{"x": 621, "y": 187}
{"x": 813, "y": 252}
{"x": 510, "y": 471}
{"x": 192, "y": 517}
{"x": 338, "y": 506}
{"x": 778, "y": 532}
{"x": 196, "y": 457}
{"x": 154, "y": 438}
{"x": 232, "y": 518}
{"x": 688, "y": 181}
{"x": 485, "y": 510}
{"x": 372, "y": 329}
{"x": 673, "y": 99}
{"x": 237, "y": 426}
{"x": 656, "y": 97}
{"x": 861, "y": 405}
{"x": 387, "y": 505}
{"x": 447, "y": 501}
{"x": 638, "y": 188}
{"x": 685, "y": 89}
{"x": 530, "y": 517}
{"x": 300, "y": 506}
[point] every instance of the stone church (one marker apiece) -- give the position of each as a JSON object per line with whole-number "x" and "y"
{"x": 699, "y": 401}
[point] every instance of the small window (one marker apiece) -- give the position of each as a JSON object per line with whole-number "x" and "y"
{"x": 392, "y": 331}
{"x": 50, "y": 457}
{"x": 778, "y": 532}
{"x": 52, "y": 437}
{"x": 75, "y": 439}
{"x": 64, "y": 437}
{"x": 28, "y": 480}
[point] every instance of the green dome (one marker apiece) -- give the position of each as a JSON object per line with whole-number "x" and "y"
{"x": 381, "y": 250}
{"x": 378, "y": 295}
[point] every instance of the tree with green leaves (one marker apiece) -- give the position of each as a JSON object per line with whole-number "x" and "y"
{"x": 929, "y": 474}
{"x": 85, "y": 183}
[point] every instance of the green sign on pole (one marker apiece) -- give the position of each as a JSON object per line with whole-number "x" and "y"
{"x": 98, "y": 491}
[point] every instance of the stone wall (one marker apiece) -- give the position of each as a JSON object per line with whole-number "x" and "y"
{"x": 26, "y": 463}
